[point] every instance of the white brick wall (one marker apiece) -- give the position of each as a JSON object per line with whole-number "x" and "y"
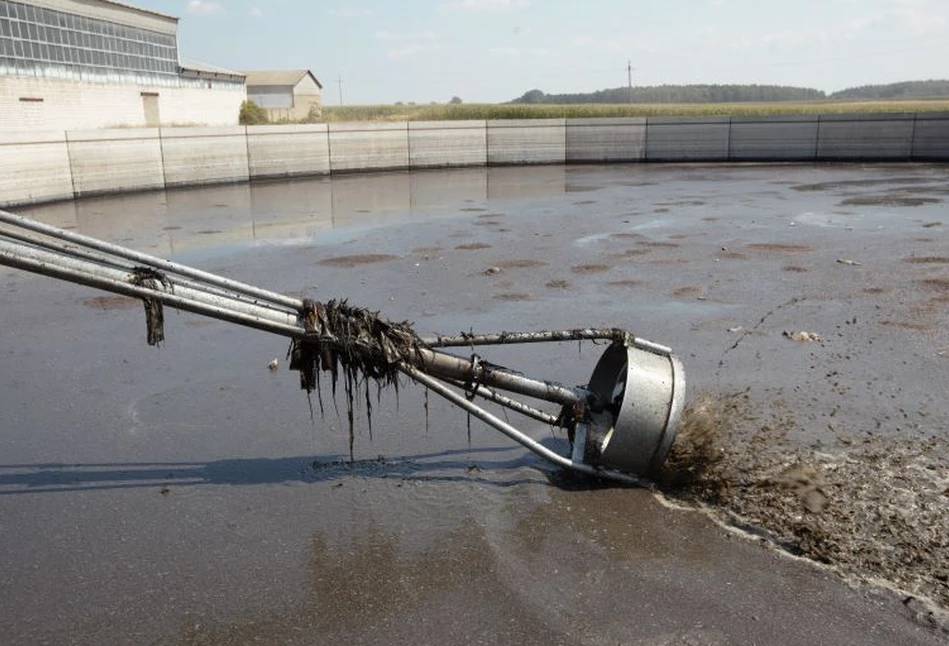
{"x": 69, "y": 105}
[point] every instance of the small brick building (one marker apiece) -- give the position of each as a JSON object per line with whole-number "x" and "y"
{"x": 286, "y": 95}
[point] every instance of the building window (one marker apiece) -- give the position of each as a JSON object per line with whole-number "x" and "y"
{"x": 40, "y": 39}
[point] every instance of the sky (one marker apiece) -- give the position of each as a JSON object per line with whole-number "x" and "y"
{"x": 490, "y": 51}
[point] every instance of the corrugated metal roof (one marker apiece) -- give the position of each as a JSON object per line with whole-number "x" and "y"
{"x": 206, "y": 68}
{"x": 278, "y": 77}
{"x": 126, "y": 5}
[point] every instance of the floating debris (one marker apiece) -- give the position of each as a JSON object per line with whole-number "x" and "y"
{"x": 807, "y": 482}
{"x": 154, "y": 311}
{"x": 273, "y": 365}
{"x": 353, "y": 342}
{"x": 847, "y": 261}
{"x": 492, "y": 271}
{"x": 803, "y": 335}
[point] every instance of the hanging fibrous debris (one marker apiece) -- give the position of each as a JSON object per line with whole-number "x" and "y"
{"x": 353, "y": 344}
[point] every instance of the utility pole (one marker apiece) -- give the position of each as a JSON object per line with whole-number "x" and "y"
{"x": 629, "y": 78}
{"x": 339, "y": 82}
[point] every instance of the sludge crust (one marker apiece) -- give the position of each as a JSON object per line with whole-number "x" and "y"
{"x": 875, "y": 511}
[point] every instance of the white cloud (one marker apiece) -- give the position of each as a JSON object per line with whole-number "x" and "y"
{"x": 351, "y": 11}
{"x": 485, "y": 6}
{"x": 591, "y": 43}
{"x": 412, "y": 49}
{"x": 921, "y": 22}
{"x": 384, "y": 34}
{"x": 256, "y": 12}
{"x": 505, "y": 51}
{"x": 511, "y": 52}
{"x": 203, "y": 7}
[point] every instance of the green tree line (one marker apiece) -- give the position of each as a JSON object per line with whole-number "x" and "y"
{"x": 904, "y": 90}
{"x": 737, "y": 93}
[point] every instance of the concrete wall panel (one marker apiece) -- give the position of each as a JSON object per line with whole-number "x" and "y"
{"x": 785, "y": 138}
{"x": 606, "y": 140}
{"x": 358, "y": 147}
{"x": 113, "y": 161}
{"x": 865, "y": 137}
{"x": 287, "y": 151}
{"x": 681, "y": 139}
{"x": 931, "y": 137}
{"x": 204, "y": 155}
{"x": 48, "y": 166}
{"x": 34, "y": 167}
{"x": 441, "y": 144}
{"x": 527, "y": 141}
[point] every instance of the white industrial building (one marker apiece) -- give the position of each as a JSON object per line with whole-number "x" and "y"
{"x": 86, "y": 64}
{"x": 286, "y": 95}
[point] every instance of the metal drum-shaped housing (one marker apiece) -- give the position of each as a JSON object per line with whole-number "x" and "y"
{"x": 646, "y": 390}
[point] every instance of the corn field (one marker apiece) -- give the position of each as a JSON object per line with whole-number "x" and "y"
{"x": 485, "y": 111}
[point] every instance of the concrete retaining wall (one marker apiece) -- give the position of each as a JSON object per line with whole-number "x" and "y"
{"x": 442, "y": 144}
{"x": 677, "y": 139}
{"x": 113, "y": 161}
{"x": 204, "y": 155}
{"x": 34, "y": 167}
{"x": 606, "y": 140}
{"x": 287, "y": 151}
{"x": 866, "y": 137}
{"x": 787, "y": 138}
{"x": 43, "y": 167}
{"x": 527, "y": 141}
{"x": 356, "y": 147}
{"x": 931, "y": 137}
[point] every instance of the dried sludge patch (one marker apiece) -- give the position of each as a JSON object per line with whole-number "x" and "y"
{"x": 886, "y": 181}
{"x": 940, "y": 285}
{"x": 875, "y": 510}
{"x": 927, "y": 260}
{"x": 357, "y": 259}
{"x": 521, "y": 263}
{"x": 687, "y": 290}
{"x": 888, "y": 200}
{"x": 589, "y": 269}
{"x": 778, "y": 247}
{"x": 732, "y": 255}
{"x": 631, "y": 253}
{"x": 627, "y": 282}
{"x": 658, "y": 244}
{"x": 907, "y": 325}
{"x": 510, "y": 296}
